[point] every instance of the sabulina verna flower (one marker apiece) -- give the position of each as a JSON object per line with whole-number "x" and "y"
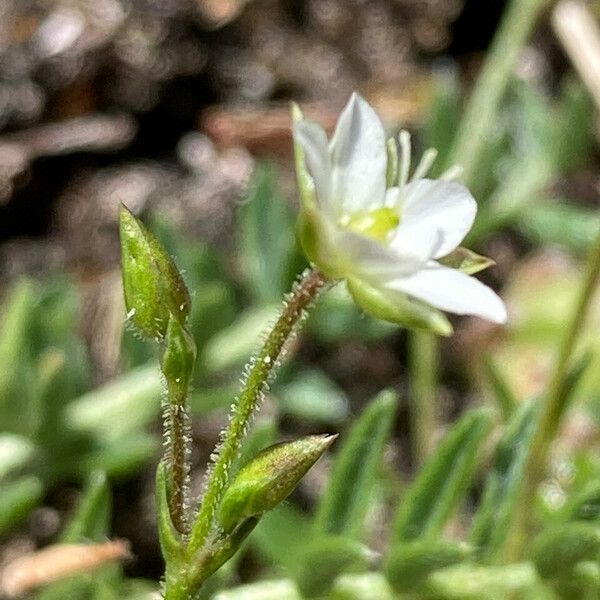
{"x": 393, "y": 239}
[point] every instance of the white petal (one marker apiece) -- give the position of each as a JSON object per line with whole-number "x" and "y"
{"x": 359, "y": 157}
{"x": 313, "y": 140}
{"x": 452, "y": 291}
{"x": 435, "y": 217}
{"x": 370, "y": 259}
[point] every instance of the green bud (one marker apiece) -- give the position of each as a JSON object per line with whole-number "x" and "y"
{"x": 153, "y": 286}
{"x": 557, "y": 551}
{"x": 177, "y": 361}
{"x": 467, "y": 261}
{"x": 270, "y": 478}
{"x": 398, "y": 308}
{"x": 410, "y": 563}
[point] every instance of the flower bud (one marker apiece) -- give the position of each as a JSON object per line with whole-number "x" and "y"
{"x": 179, "y": 356}
{"x": 269, "y": 478}
{"x": 153, "y": 286}
{"x": 398, "y": 308}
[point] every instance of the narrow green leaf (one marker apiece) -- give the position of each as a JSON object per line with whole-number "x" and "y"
{"x": 15, "y": 452}
{"x": 120, "y": 407}
{"x": 266, "y": 227}
{"x": 345, "y": 502}
{"x": 506, "y": 399}
{"x": 118, "y": 457}
{"x": 276, "y": 538}
{"x": 434, "y": 495}
{"x": 561, "y": 222}
{"x": 231, "y": 346}
{"x": 409, "y": 564}
{"x": 17, "y": 313}
{"x": 324, "y": 559}
{"x": 91, "y": 521}
{"x": 501, "y": 492}
{"x": 17, "y": 499}
{"x": 311, "y": 395}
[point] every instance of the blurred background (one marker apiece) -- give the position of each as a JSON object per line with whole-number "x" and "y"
{"x": 180, "y": 110}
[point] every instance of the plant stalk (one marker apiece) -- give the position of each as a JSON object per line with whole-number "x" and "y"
{"x": 178, "y": 455}
{"x": 476, "y": 125}
{"x": 552, "y": 412}
{"x": 423, "y": 357}
{"x": 303, "y": 294}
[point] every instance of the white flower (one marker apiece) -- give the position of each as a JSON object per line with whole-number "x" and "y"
{"x": 380, "y": 232}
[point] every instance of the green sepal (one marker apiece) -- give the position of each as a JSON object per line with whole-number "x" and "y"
{"x": 556, "y": 551}
{"x": 152, "y": 283}
{"x": 91, "y": 521}
{"x": 311, "y": 231}
{"x": 467, "y": 261}
{"x": 409, "y": 564}
{"x": 391, "y": 172}
{"x": 171, "y": 543}
{"x": 306, "y": 185}
{"x": 178, "y": 359}
{"x": 398, "y": 308}
{"x": 269, "y": 478}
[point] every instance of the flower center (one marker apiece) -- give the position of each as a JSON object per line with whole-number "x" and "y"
{"x": 375, "y": 224}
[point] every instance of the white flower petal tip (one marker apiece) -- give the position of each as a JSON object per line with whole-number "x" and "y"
{"x": 452, "y": 291}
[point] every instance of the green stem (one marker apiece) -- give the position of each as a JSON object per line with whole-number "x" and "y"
{"x": 178, "y": 454}
{"x": 423, "y": 357}
{"x": 302, "y": 296}
{"x": 479, "y": 118}
{"x": 552, "y": 411}
{"x": 476, "y": 125}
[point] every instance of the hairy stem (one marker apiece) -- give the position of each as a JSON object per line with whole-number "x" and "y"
{"x": 552, "y": 411}
{"x": 178, "y": 454}
{"x": 303, "y": 294}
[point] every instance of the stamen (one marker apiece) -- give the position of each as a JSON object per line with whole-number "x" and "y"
{"x": 404, "y": 158}
{"x": 451, "y": 174}
{"x": 425, "y": 164}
